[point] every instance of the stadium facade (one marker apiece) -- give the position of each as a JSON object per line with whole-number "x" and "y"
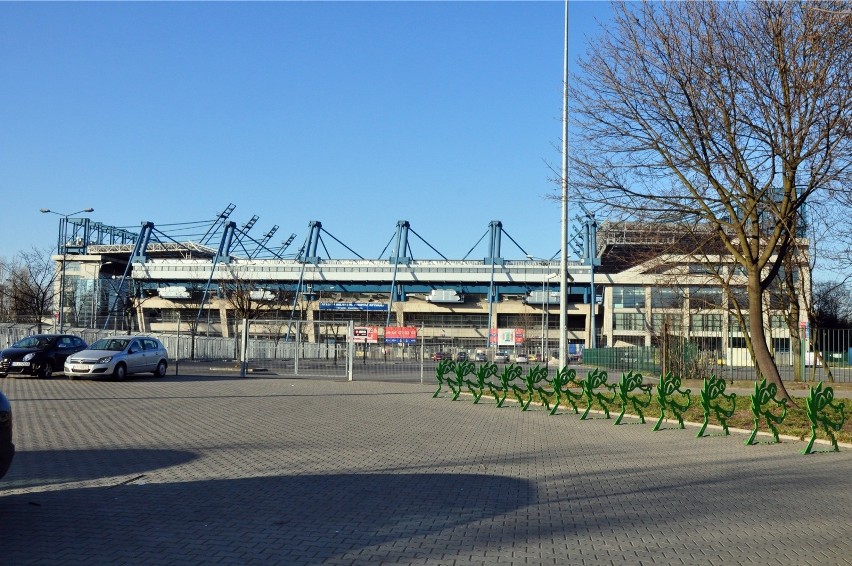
{"x": 630, "y": 286}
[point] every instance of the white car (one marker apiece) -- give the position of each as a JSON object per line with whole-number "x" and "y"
{"x": 501, "y": 356}
{"x": 810, "y": 359}
{"x": 522, "y": 359}
{"x": 119, "y": 356}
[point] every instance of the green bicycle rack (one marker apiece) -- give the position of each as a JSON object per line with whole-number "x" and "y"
{"x": 444, "y": 368}
{"x": 462, "y": 370}
{"x": 509, "y": 375}
{"x": 564, "y": 379}
{"x": 483, "y": 376}
{"x": 672, "y": 397}
{"x": 760, "y": 407}
{"x": 822, "y": 412}
{"x": 631, "y": 391}
{"x": 596, "y": 380}
{"x": 713, "y": 398}
{"x": 531, "y": 379}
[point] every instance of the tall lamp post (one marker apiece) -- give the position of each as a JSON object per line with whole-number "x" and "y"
{"x": 563, "y": 261}
{"x": 64, "y": 244}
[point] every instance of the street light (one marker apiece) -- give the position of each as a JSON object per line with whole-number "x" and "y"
{"x": 62, "y": 242}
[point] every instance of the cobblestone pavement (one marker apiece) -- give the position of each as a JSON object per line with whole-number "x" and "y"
{"x": 263, "y": 470}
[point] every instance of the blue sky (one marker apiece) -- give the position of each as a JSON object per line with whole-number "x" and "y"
{"x": 356, "y": 114}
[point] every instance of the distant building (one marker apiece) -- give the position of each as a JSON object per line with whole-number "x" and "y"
{"x": 645, "y": 287}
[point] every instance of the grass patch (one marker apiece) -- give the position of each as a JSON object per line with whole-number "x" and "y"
{"x": 796, "y": 423}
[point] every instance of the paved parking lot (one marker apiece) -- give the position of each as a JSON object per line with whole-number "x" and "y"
{"x": 269, "y": 470}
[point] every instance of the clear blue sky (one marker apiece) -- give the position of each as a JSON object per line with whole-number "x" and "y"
{"x": 356, "y": 114}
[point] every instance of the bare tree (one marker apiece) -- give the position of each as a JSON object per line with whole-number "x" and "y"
{"x": 721, "y": 115}
{"x": 244, "y": 295}
{"x": 5, "y": 291}
{"x": 31, "y": 286}
{"x": 832, "y": 304}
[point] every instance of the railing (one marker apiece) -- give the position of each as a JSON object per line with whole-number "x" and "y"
{"x": 322, "y": 344}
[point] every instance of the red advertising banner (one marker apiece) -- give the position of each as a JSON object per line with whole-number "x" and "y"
{"x": 366, "y": 334}
{"x": 400, "y": 334}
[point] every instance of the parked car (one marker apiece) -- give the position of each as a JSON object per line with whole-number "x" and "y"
{"x": 40, "y": 354}
{"x": 810, "y": 360}
{"x": 461, "y": 357}
{"x": 438, "y": 356}
{"x": 501, "y": 356}
{"x": 119, "y": 356}
{"x": 480, "y": 357}
{"x": 522, "y": 359}
{"x": 7, "y": 448}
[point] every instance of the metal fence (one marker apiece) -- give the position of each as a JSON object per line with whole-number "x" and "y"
{"x": 328, "y": 350}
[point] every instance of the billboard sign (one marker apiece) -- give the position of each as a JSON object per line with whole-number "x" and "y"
{"x": 329, "y": 306}
{"x": 400, "y": 334}
{"x": 365, "y": 335}
{"x": 506, "y": 336}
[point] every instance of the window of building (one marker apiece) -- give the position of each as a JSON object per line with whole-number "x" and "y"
{"x": 628, "y": 297}
{"x": 706, "y": 322}
{"x": 628, "y": 321}
{"x": 673, "y": 322}
{"x": 734, "y": 323}
{"x": 738, "y": 296}
{"x": 705, "y": 297}
{"x": 704, "y": 269}
{"x": 445, "y": 320}
{"x": 666, "y": 298}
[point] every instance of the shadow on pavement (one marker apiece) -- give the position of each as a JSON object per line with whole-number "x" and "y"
{"x": 305, "y": 519}
{"x": 34, "y": 468}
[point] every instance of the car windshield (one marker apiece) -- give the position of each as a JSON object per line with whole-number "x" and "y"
{"x": 113, "y": 344}
{"x": 32, "y": 342}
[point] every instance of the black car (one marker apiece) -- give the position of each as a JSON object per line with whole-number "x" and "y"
{"x": 7, "y": 449}
{"x": 40, "y": 354}
{"x": 461, "y": 357}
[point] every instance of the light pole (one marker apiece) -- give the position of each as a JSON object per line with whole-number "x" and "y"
{"x": 563, "y": 260}
{"x": 64, "y": 244}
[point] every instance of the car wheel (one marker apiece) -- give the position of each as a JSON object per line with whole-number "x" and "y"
{"x": 46, "y": 370}
{"x": 120, "y": 372}
{"x": 161, "y": 368}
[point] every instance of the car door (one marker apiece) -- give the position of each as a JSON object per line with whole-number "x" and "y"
{"x": 135, "y": 357}
{"x": 64, "y": 348}
{"x": 151, "y": 353}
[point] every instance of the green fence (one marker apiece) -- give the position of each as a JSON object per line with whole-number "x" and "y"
{"x": 642, "y": 359}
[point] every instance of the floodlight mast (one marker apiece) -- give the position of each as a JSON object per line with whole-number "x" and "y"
{"x": 563, "y": 261}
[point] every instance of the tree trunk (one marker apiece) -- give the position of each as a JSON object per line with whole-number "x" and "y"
{"x": 762, "y": 356}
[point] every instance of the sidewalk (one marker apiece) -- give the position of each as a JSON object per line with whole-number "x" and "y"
{"x": 261, "y": 470}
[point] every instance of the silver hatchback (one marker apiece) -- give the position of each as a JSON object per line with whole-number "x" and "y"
{"x": 119, "y": 356}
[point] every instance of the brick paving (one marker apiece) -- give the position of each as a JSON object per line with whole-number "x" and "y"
{"x": 263, "y": 470}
